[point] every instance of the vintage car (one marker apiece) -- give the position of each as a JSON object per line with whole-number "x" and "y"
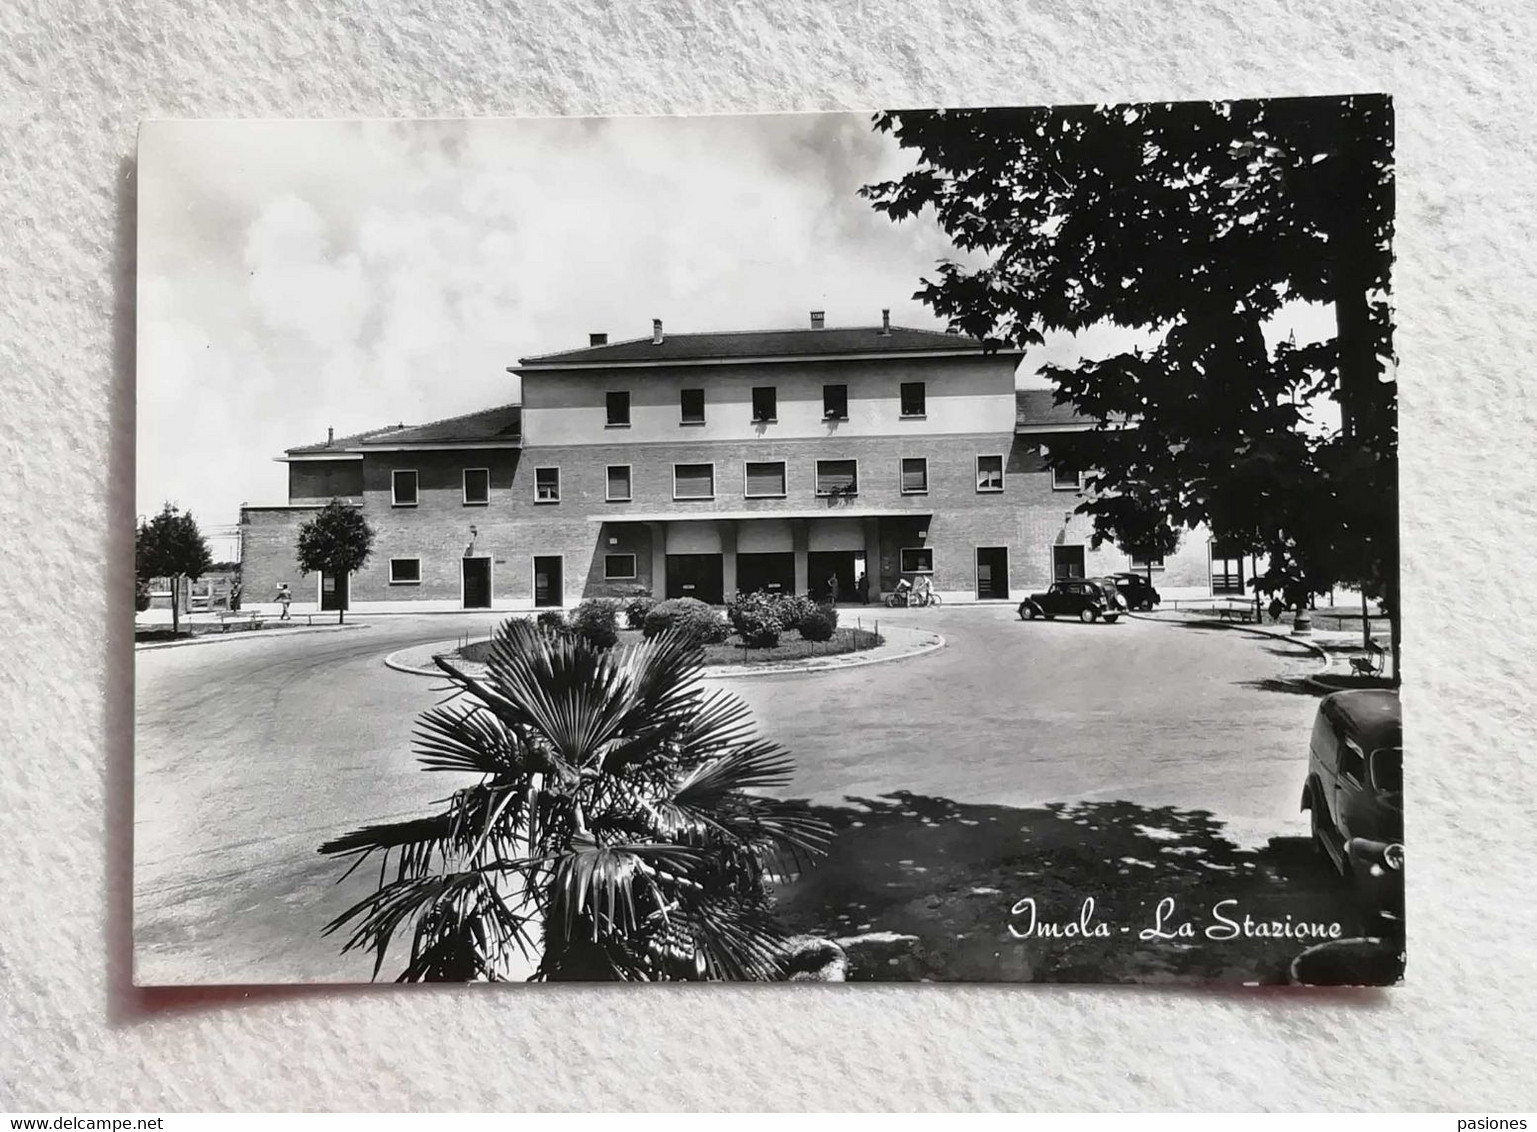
{"x": 1137, "y": 590}
{"x": 1083, "y": 598}
{"x": 1354, "y": 791}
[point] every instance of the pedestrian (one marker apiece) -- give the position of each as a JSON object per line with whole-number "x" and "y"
{"x": 234, "y": 597}
{"x": 862, "y": 588}
{"x": 832, "y": 588}
{"x": 284, "y": 599}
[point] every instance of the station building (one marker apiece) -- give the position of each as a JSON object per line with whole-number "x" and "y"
{"x": 707, "y": 463}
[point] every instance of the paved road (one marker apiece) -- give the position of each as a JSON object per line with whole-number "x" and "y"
{"x": 251, "y": 752}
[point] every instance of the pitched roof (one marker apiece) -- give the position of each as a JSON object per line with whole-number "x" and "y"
{"x": 1036, "y": 407}
{"x": 489, "y": 425}
{"x": 737, "y": 345}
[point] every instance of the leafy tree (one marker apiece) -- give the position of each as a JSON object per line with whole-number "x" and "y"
{"x": 170, "y": 546}
{"x": 1195, "y": 223}
{"x": 337, "y": 541}
{"x": 615, "y": 828}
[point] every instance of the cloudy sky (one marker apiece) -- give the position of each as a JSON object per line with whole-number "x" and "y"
{"x": 295, "y": 276}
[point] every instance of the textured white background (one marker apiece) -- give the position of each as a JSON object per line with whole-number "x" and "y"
{"x": 75, "y": 78}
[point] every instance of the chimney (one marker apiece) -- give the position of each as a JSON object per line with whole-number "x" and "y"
{"x": 330, "y": 436}
{"x": 886, "y": 321}
{"x": 656, "y": 332}
{"x": 597, "y": 339}
{"x": 818, "y": 320}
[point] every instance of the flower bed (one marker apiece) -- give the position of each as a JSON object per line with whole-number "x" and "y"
{"x": 732, "y": 651}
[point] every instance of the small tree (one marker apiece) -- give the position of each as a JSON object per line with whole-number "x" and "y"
{"x": 337, "y": 541}
{"x": 171, "y": 546}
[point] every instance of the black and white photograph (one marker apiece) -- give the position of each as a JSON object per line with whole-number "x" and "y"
{"x": 913, "y": 545}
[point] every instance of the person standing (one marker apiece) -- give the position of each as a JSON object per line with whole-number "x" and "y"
{"x": 285, "y": 598}
{"x": 832, "y": 589}
{"x": 862, "y": 588}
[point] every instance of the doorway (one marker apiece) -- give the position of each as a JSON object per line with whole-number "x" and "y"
{"x": 549, "y": 586}
{"x": 476, "y": 577}
{"x": 822, "y": 566}
{"x": 773, "y": 573}
{"x": 699, "y": 576}
{"x": 334, "y": 592}
{"x": 1066, "y": 562}
{"x": 993, "y": 572}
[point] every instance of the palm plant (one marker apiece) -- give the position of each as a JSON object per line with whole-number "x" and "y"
{"x": 616, "y": 830}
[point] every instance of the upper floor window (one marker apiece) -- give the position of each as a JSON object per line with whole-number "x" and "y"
{"x": 693, "y": 481}
{"x": 403, "y": 487}
{"x": 765, "y": 403}
{"x": 477, "y": 486}
{"x": 835, "y": 402}
{"x": 546, "y": 485}
{"x": 764, "y": 479}
{"x": 989, "y": 473}
{"x": 915, "y": 400}
{"x": 619, "y": 483}
{"x": 837, "y": 477}
{"x": 619, "y": 408}
{"x": 1066, "y": 479}
{"x": 915, "y": 475}
{"x": 691, "y": 406}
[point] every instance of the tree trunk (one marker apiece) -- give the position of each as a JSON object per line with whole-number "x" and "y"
{"x": 175, "y": 605}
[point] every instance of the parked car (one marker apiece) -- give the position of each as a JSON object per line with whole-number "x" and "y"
{"x": 1084, "y": 598}
{"x": 1354, "y": 792}
{"x": 1137, "y": 590}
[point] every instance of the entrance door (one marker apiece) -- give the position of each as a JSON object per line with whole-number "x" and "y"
{"x": 333, "y": 592}
{"x": 823, "y": 566}
{"x": 993, "y": 572}
{"x": 549, "y": 587}
{"x": 1066, "y": 562}
{"x": 699, "y": 576}
{"x": 774, "y": 573}
{"x": 477, "y": 583}
{"x": 1226, "y": 570}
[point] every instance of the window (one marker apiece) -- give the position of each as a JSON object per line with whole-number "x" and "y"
{"x": 691, "y": 405}
{"x": 989, "y": 473}
{"x": 1352, "y": 762}
{"x": 1066, "y": 479}
{"x": 693, "y": 481}
{"x": 1139, "y": 563}
{"x": 403, "y": 488}
{"x": 917, "y": 560}
{"x": 618, "y": 567}
{"x": 405, "y": 571}
{"x": 914, "y": 399}
{"x": 619, "y": 409}
{"x": 477, "y": 486}
{"x": 1067, "y": 562}
{"x": 837, "y": 477}
{"x": 915, "y": 475}
{"x": 619, "y": 483}
{"x": 546, "y": 485}
{"x": 765, "y": 403}
{"x": 764, "y": 479}
{"x": 835, "y": 402}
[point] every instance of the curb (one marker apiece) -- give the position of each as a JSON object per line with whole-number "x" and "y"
{"x": 1254, "y": 631}
{"x": 243, "y": 635}
{"x": 403, "y": 660}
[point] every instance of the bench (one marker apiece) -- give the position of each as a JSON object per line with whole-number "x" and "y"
{"x": 228, "y": 617}
{"x": 1230, "y": 611}
{"x": 1371, "y": 664}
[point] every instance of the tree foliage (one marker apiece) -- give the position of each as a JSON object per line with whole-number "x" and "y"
{"x": 338, "y": 541}
{"x": 169, "y": 546}
{"x": 616, "y": 828}
{"x": 1195, "y": 223}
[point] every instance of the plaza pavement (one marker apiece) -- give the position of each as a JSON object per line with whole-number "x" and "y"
{"x": 252, "y": 752}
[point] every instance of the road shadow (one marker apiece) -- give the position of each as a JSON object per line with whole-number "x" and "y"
{"x": 1288, "y": 685}
{"x": 960, "y": 878}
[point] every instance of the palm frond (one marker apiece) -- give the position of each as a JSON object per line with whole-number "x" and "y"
{"x": 414, "y": 841}
{"x": 614, "y": 887}
{"x": 470, "y": 739}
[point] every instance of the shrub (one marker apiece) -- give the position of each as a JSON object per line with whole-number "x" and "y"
{"x": 793, "y": 609}
{"x": 635, "y": 610}
{"x": 820, "y": 624}
{"x": 694, "y": 619}
{"x": 596, "y": 621}
{"x": 755, "y": 617}
{"x": 552, "y": 621}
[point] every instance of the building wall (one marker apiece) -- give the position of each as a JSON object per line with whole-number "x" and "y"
{"x": 267, "y": 557}
{"x": 964, "y": 395}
